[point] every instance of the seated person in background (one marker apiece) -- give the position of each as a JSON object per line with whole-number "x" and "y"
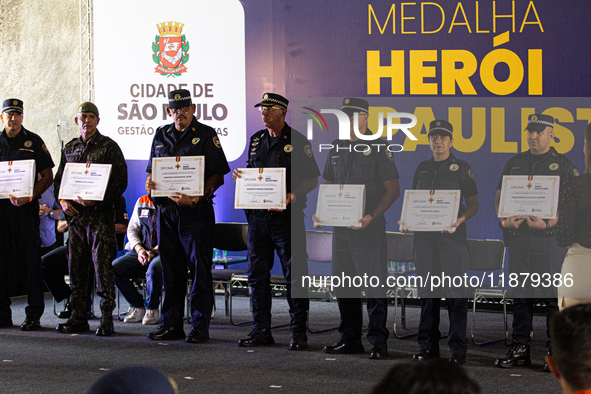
{"x": 140, "y": 259}
{"x": 433, "y": 376}
{"x": 570, "y": 361}
{"x": 49, "y": 212}
{"x": 54, "y": 265}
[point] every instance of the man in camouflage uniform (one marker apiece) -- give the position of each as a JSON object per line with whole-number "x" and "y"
{"x": 91, "y": 222}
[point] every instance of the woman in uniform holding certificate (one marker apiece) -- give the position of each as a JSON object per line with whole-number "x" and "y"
{"x": 436, "y": 252}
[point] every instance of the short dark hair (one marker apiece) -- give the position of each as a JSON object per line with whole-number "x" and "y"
{"x": 427, "y": 377}
{"x": 571, "y": 345}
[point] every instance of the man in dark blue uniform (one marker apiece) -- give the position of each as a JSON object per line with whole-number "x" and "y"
{"x": 185, "y": 225}
{"x": 447, "y": 251}
{"x": 531, "y": 243}
{"x": 359, "y": 251}
{"x": 278, "y": 145}
{"x": 19, "y": 217}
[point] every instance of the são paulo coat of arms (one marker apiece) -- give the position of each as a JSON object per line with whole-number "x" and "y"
{"x": 170, "y": 49}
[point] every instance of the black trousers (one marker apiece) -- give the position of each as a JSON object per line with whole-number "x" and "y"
{"x": 269, "y": 233}
{"x": 531, "y": 254}
{"x": 19, "y": 226}
{"x": 439, "y": 254}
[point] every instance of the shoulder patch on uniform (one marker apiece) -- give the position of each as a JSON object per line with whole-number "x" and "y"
{"x": 44, "y": 147}
{"x": 308, "y": 150}
{"x": 288, "y": 148}
{"x": 28, "y": 144}
{"x": 454, "y": 167}
{"x": 126, "y": 216}
{"x": 471, "y": 175}
{"x": 390, "y": 155}
{"x": 195, "y": 141}
{"x": 554, "y": 166}
{"x": 367, "y": 152}
{"x": 216, "y": 142}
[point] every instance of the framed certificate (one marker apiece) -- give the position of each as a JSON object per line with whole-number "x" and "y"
{"x": 86, "y": 180}
{"x": 340, "y": 205}
{"x": 17, "y": 178}
{"x": 535, "y": 195}
{"x": 183, "y": 174}
{"x": 430, "y": 210}
{"x": 260, "y": 188}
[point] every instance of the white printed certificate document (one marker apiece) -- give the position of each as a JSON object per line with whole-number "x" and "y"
{"x": 340, "y": 205}
{"x": 535, "y": 195}
{"x": 260, "y": 188}
{"x": 429, "y": 210}
{"x": 183, "y": 174}
{"x": 17, "y": 178}
{"x": 86, "y": 180}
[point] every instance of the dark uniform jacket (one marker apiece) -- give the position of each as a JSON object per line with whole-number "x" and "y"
{"x": 99, "y": 150}
{"x": 549, "y": 163}
{"x": 197, "y": 140}
{"x": 370, "y": 167}
{"x": 25, "y": 146}
{"x": 292, "y": 151}
{"x": 449, "y": 174}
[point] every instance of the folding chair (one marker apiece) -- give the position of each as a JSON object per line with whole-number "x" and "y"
{"x": 319, "y": 250}
{"x": 488, "y": 255}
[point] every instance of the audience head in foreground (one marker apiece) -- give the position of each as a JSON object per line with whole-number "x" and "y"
{"x": 570, "y": 361}
{"x": 118, "y": 382}
{"x": 436, "y": 376}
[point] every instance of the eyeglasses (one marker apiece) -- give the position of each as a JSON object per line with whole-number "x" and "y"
{"x": 179, "y": 110}
{"x": 261, "y": 108}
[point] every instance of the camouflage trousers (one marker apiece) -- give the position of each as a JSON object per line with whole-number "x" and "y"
{"x": 92, "y": 241}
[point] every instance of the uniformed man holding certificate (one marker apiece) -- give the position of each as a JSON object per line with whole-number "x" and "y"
{"x": 269, "y": 230}
{"x": 531, "y": 243}
{"x": 444, "y": 251}
{"x": 361, "y": 250}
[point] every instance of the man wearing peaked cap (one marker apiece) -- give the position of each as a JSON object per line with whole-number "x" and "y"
{"x": 185, "y": 224}
{"x": 531, "y": 242}
{"x": 361, "y": 250}
{"x": 279, "y": 145}
{"x": 19, "y": 216}
{"x": 91, "y": 223}
{"x": 439, "y": 252}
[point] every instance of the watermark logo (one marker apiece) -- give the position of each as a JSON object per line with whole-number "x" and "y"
{"x": 344, "y": 124}
{"x": 170, "y": 49}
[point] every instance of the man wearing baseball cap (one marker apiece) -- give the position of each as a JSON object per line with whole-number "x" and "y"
{"x": 531, "y": 243}
{"x": 19, "y": 216}
{"x": 91, "y": 223}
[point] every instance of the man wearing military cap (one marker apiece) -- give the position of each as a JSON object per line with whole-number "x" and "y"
{"x": 278, "y": 145}
{"x": 446, "y": 252}
{"x": 359, "y": 251}
{"x": 19, "y": 217}
{"x": 185, "y": 225}
{"x": 531, "y": 242}
{"x": 91, "y": 223}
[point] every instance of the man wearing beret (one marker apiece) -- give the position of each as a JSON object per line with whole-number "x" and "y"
{"x": 91, "y": 223}
{"x": 361, "y": 250}
{"x": 185, "y": 225}
{"x": 19, "y": 217}
{"x": 278, "y": 145}
{"x": 531, "y": 242}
